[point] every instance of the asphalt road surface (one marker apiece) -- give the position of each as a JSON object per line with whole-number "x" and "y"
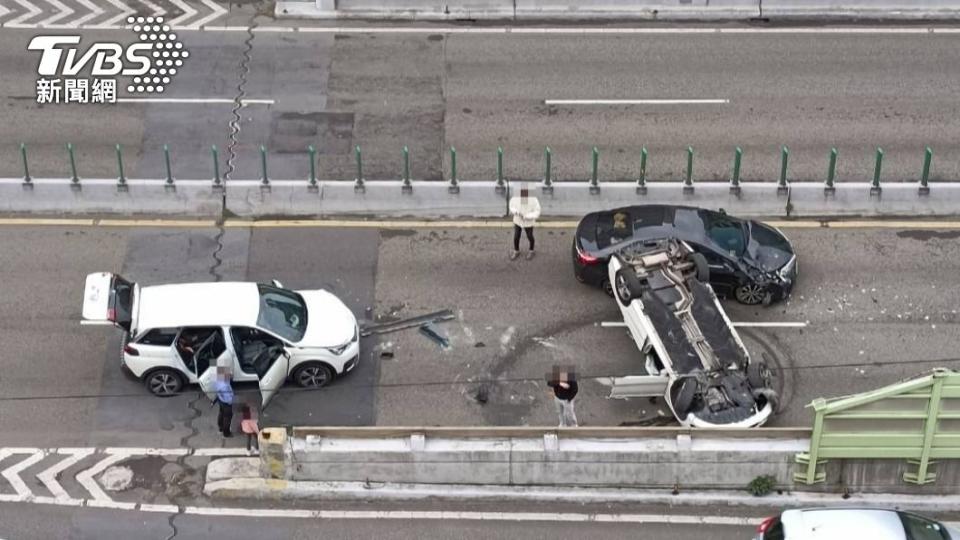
{"x": 878, "y": 305}
{"x": 430, "y": 90}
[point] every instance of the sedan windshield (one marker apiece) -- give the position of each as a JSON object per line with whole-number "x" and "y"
{"x": 282, "y": 312}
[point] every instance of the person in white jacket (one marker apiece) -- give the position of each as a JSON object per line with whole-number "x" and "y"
{"x": 525, "y": 211}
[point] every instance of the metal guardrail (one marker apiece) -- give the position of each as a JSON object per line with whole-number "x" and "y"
{"x": 916, "y": 420}
{"x": 547, "y": 181}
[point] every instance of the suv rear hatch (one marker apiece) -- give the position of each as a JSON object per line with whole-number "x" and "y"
{"x": 109, "y": 299}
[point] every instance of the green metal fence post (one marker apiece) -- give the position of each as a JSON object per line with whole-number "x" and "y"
{"x": 594, "y": 182}
{"x": 358, "y": 184}
{"x": 121, "y": 180}
{"x": 27, "y": 181}
{"x": 929, "y": 431}
{"x": 642, "y": 179}
{"x": 264, "y": 177}
{"x": 312, "y": 151}
{"x": 688, "y": 180}
{"x": 217, "y": 184}
{"x": 924, "y": 178}
{"x": 166, "y": 160}
{"x": 74, "y": 179}
{"x": 784, "y": 158}
{"x": 407, "y": 187}
{"x": 547, "y": 179}
{"x": 831, "y": 172}
{"x": 454, "y": 185}
{"x": 735, "y": 179}
{"x": 501, "y": 187}
{"x": 875, "y": 186}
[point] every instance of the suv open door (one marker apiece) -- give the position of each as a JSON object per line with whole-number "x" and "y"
{"x": 109, "y": 299}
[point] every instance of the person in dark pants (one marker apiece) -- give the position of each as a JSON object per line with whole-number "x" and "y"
{"x": 225, "y": 400}
{"x": 565, "y": 388}
{"x": 525, "y": 211}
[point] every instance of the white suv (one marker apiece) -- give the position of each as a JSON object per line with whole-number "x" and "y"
{"x": 180, "y": 333}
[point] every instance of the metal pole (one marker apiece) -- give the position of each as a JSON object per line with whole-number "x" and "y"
{"x": 166, "y": 161}
{"x": 547, "y": 181}
{"x": 26, "y": 168}
{"x": 596, "y": 161}
{"x": 453, "y": 167}
{"x": 216, "y": 165}
{"x": 784, "y": 157}
{"x": 500, "y": 167}
{"x": 313, "y": 165}
{"x": 924, "y": 178}
{"x": 876, "y": 171}
{"x": 73, "y": 165}
{"x": 832, "y": 168}
{"x": 688, "y": 182}
{"x": 737, "y": 155}
{"x": 122, "y": 180}
{"x": 407, "y": 187}
{"x": 642, "y": 180}
{"x": 265, "y": 179}
{"x": 358, "y": 182}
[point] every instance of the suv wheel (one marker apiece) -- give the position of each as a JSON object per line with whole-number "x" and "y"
{"x": 750, "y": 294}
{"x": 164, "y": 382}
{"x": 313, "y": 375}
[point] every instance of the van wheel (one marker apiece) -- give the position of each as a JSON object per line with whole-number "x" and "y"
{"x": 313, "y": 375}
{"x": 164, "y": 382}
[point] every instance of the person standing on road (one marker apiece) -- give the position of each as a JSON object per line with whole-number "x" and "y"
{"x": 525, "y": 211}
{"x": 564, "y": 384}
{"x": 225, "y": 400}
{"x": 248, "y": 424}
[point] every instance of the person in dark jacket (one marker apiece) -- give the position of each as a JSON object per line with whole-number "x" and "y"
{"x": 565, "y": 388}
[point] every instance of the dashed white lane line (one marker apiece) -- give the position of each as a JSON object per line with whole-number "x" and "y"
{"x": 636, "y": 101}
{"x": 197, "y": 101}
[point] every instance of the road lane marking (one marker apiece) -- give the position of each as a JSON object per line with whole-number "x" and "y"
{"x": 197, "y": 101}
{"x": 636, "y": 101}
{"x": 617, "y": 324}
{"x": 86, "y": 480}
{"x": 32, "y": 10}
{"x": 216, "y": 11}
{"x": 125, "y": 10}
{"x": 49, "y": 476}
{"x": 12, "y": 474}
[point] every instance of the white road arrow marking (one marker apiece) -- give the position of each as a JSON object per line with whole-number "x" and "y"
{"x": 86, "y": 478}
{"x": 94, "y": 11}
{"x": 62, "y": 11}
{"x": 125, "y": 10}
{"x": 217, "y": 11}
{"x": 157, "y": 10}
{"x": 12, "y": 474}
{"x": 187, "y": 12}
{"x": 49, "y": 476}
{"x": 32, "y": 11}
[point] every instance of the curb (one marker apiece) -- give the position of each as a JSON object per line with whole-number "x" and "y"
{"x": 271, "y": 489}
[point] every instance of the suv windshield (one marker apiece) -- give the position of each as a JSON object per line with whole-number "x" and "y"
{"x": 282, "y": 312}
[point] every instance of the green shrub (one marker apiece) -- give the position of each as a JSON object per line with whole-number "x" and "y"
{"x": 762, "y": 485}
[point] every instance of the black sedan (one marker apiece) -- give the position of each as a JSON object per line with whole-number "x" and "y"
{"x": 748, "y": 260}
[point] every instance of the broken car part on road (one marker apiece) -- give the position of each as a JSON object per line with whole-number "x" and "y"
{"x": 403, "y": 324}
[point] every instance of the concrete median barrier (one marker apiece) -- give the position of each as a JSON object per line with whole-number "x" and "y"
{"x": 102, "y": 196}
{"x": 860, "y": 9}
{"x": 638, "y": 9}
{"x": 470, "y": 199}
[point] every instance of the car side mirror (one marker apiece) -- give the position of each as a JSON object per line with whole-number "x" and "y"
{"x": 285, "y": 354}
{"x": 276, "y": 283}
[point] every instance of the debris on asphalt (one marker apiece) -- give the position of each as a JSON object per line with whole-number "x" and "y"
{"x": 403, "y": 324}
{"x": 479, "y": 344}
{"x": 433, "y": 332}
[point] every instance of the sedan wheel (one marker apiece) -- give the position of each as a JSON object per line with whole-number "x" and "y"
{"x": 313, "y": 376}
{"x": 750, "y": 294}
{"x": 164, "y": 383}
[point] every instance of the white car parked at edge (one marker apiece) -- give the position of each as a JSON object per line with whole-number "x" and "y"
{"x": 180, "y": 333}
